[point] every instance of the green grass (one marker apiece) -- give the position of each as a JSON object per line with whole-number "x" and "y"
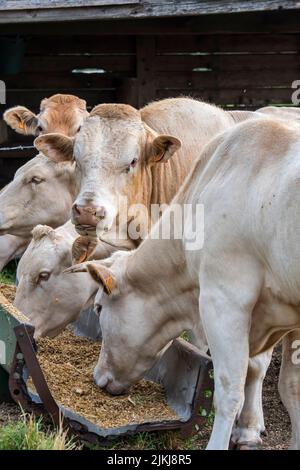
{"x": 8, "y": 274}
{"x": 30, "y": 434}
{"x": 166, "y": 440}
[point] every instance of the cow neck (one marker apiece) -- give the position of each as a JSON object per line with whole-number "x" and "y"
{"x": 156, "y": 261}
{"x": 141, "y": 187}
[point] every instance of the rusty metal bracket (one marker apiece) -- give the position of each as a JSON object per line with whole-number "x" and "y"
{"x": 25, "y": 355}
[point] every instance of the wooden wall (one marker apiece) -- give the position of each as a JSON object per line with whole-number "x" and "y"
{"x": 234, "y": 70}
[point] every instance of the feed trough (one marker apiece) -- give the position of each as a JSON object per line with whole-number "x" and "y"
{"x": 184, "y": 375}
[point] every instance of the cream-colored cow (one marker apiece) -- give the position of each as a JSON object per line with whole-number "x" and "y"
{"x": 33, "y": 191}
{"x": 247, "y": 273}
{"x": 59, "y": 113}
{"x": 176, "y": 116}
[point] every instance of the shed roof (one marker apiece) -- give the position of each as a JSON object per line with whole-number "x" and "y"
{"x": 28, "y": 11}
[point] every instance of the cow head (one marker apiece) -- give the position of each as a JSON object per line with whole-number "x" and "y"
{"x": 49, "y": 298}
{"x": 59, "y": 113}
{"x": 138, "y": 320}
{"x": 114, "y": 153}
{"x": 41, "y": 192}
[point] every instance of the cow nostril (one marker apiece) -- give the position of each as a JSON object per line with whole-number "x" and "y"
{"x": 76, "y": 210}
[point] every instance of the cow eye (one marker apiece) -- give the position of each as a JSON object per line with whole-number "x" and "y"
{"x": 39, "y": 128}
{"x": 43, "y": 276}
{"x": 36, "y": 180}
{"x": 132, "y": 165}
{"x": 78, "y": 129}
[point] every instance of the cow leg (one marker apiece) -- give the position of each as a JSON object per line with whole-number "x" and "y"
{"x": 289, "y": 383}
{"x": 229, "y": 291}
{"x": 250, "y": 423}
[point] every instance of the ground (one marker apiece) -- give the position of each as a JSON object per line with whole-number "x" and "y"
{"x": 276, "y": 417}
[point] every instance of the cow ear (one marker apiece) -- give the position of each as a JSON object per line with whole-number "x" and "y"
{"x": 83, "y": 248}
{"x": 102, "y": 275}
{"x": 22, "y": 120}
{"x": 57, "y": 147}
{"x": 163, "y": 147}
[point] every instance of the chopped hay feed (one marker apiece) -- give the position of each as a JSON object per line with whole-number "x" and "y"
{"x": 68, "y": 362}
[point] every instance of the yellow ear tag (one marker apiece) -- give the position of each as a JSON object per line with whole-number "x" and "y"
{"x": 21, "y": 125}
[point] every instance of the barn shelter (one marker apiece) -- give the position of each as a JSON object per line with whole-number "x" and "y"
{"x": 238, "y": 54}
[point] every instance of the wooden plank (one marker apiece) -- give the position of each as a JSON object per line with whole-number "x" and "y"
{"x": 107, "y": 63}
{"x": 245, "y": 62}
{"x": 149, "y": 9}
{"x": 76, "y": 44}
{"x": 145, "y": 56}
{"x": 227, "y": 43}
{"x": 193, "y": 80}
{"x": 42, "y": 4}
{"x": 236, "y": 97}
{"x": 127, "y": 92}
{"x": 258, "y": 22}
{"x": 3, "y": 132}
{"x": 32, "y": 100}
{"x": 63, "y": 80}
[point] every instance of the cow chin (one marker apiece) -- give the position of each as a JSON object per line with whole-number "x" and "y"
{"x": 108, "y": 383}
{"x": 86, "y": 230}
{"x": 113, "y": 388}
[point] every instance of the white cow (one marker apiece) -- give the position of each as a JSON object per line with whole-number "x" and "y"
{"x": 248, "y": 272}
{"x": 30, "y": 300}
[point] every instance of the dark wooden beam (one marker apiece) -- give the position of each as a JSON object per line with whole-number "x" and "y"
{"x": 46, "y": 4}
{"x": 261, "y": 22}
{"x": 143, "y": 9}
{"x": 145, "y": 59}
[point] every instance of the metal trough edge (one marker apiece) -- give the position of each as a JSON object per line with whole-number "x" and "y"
{"x": 185, "y": 373}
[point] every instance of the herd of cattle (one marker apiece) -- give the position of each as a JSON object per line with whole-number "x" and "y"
{"x": 239, "y": 295}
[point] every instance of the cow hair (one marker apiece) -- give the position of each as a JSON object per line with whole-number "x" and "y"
{"x": 64, "y": 100}
{"x": 41, "y": 231}
{"x": 116, "y": 111}
{"x": 60, "y": 167}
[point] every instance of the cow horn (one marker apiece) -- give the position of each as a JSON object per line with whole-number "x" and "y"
{"x": 76, "y": 268}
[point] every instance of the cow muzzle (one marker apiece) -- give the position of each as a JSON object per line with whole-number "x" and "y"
{"x": 86, "y": 218}
{"x": 107, "y": 383}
